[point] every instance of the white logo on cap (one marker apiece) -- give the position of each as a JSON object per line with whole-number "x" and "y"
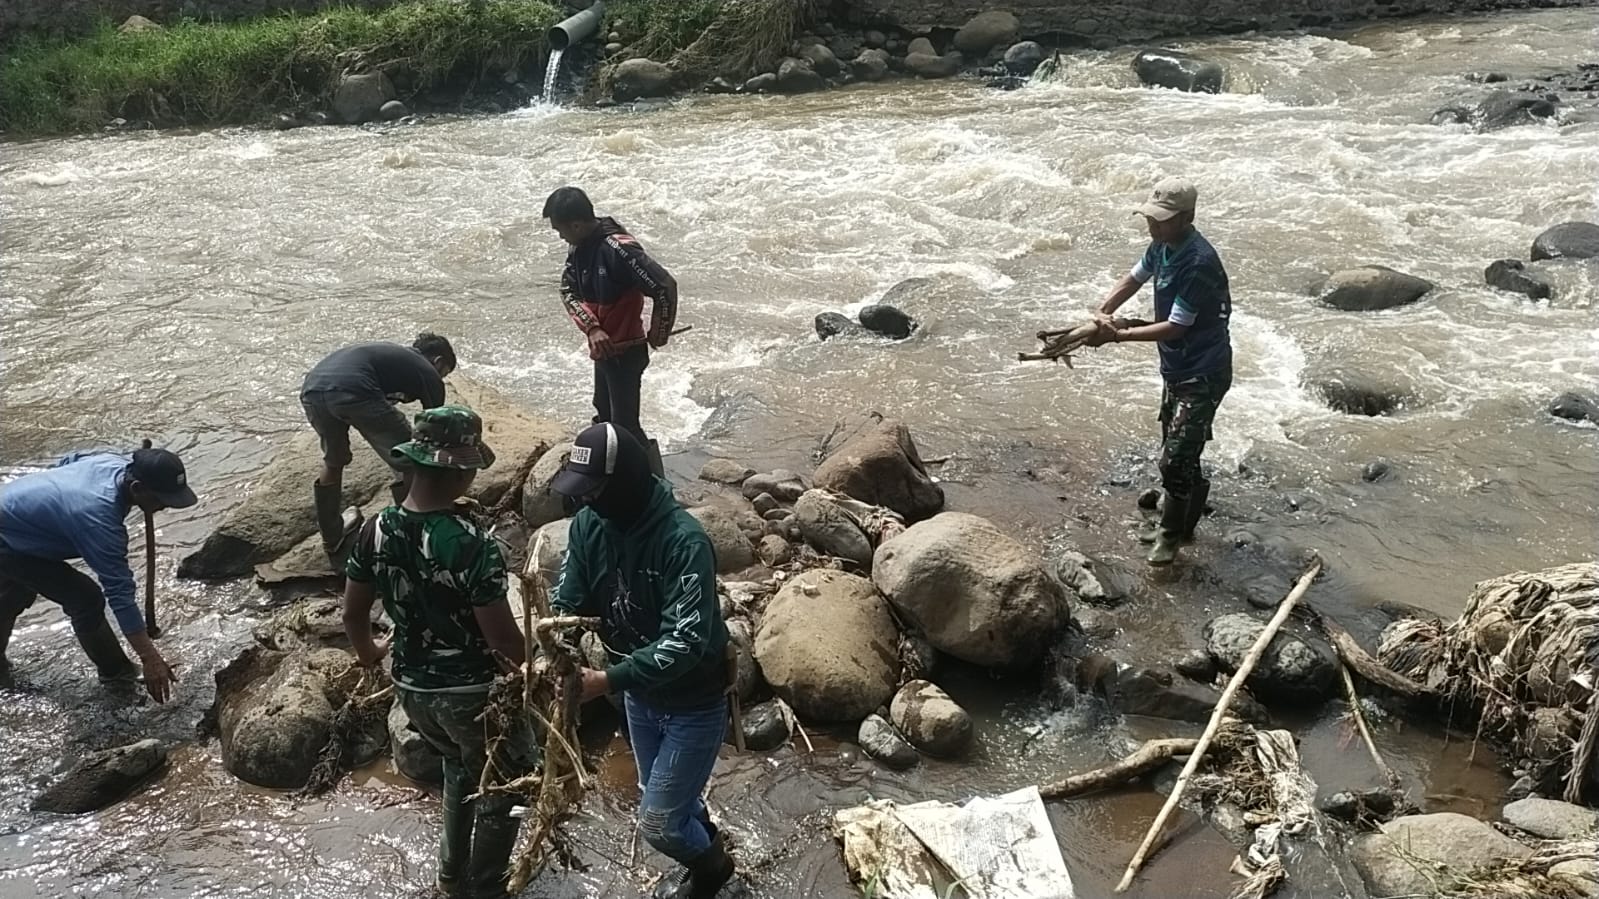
{"x": 580, "y": 455}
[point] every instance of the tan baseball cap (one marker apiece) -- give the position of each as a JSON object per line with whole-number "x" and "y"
{"x": 1170, "y": 197}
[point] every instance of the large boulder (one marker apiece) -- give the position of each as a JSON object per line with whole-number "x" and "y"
{"x": 1372, "y": 287}
{"x": 835, "y": 324}
{"x": 541, "y": 504}
{"x": 926, "y": 65}
{"x": 1508, "y": 109}
{"x": 985, "y": 31}
{"x": 976, "y": 593}
{"x": 1571, "y": 240}
{"x": 827, "y": 646}
{"x": 1154, "y": 694}
{"x": 638, "y": 79}
{"x": 871, "y": 65}
{"x": 413, "y": 755}
{"x": 274, "y": 712}
{"x": 1422, "y": 855}
{"x": 882, "y": 742}
{"x": 547, "y": 548}
{"x": 1356, "y": 392}
{"x": 831, "y": 530}
{"x": 795, "y": 76}
{"x": 102, "y": 778}
{"x": 747, "y": 672}
{"x": 1574, "y": 406}
{"x": 920, "y": 45}
{"x": 823, "y": 61}
{"x": 1552, "y": 819}
{"x": 765, "y": 727}
{"x": 889, "y": 321}
{"x": 881, "y": 466}
{"x": 733, "y": 549}
{"x": 1024, "y": 58}
{"x": 360, "y": 98}
{"x": 725, "y": 472}
{"x": 1179, "y": 71}
{"x": 1512, "y": 275}
{"x": 277, "y": 515}
{"x": 1291, "y": 669}
{"x": 930, "y": 720}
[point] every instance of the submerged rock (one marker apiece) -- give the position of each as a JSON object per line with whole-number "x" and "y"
{"x": 1361, "y": 806}
{"x": 1507, "y": 109}
{"x": 275, "y": 711}
{"x": 1024, "y": 58}
{"x": 1574, "y": 406}
{"x": 1180, "y": 71}
{"x": 1154, "y": 694}
{"x": 888, "y": 321}
{"x": 881, "y": 466}
{"x": 1355, "y": 392}
{"x": 1372, "y": 287}
{"x": 1291, "y": 669}
{"x": 1512, "y": 275}
{"x": 1196, "y": 665}
{"x": 882, "y": 742}
{"x": 102, "y": 779}
{"x": 976, "y": 593}
{"x": 925, "y": 65}
{"x": 1376, "y": 471}
{"x": 413, "y": 755}
{"x": 930, "y": 720}
{"x": 834, "y": 324}
{"x": 827, "y": 646}
{"x": 1421, "y": 855}
{"x": 1571, "y": 240}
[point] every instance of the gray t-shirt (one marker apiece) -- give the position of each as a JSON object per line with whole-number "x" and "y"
{"x": 378, "y": 370}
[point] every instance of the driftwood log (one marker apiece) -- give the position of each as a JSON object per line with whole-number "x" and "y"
{"x": 1363, "y": 664}
{"x": 1149, "y": 757}
{"x": 1059, "y": 345}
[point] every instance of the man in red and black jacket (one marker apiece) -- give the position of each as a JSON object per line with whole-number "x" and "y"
{"x": 607, "y": 277}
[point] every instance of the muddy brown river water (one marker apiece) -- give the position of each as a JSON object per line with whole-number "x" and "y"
{"x": 177, "y": 286}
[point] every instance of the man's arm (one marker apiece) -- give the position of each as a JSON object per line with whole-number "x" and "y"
{"x": 486, "y": 587}
{"x": 689, "y": 606}
{"x": 656, "y": 283}
{"x": 433, "y": 391}
{"x": 103, "y": 544}
{"x": 360, "y": 592}
{"x": 600, "y": 345}
{"x": 1119, "y": 294}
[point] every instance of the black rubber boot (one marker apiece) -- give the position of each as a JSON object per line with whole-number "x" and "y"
{"x": 493, "y": 841}
{"x": 1173, "y": 516}
{"x": 329, "y": 502}
{"x": 1196, "y": 509}
{"x": 7, "y": 681}
{"x": 676, "y": 884}
{"x": 455, "y": 842}
{"x": 105, "y": 651}
{"x": 711, "y": 871}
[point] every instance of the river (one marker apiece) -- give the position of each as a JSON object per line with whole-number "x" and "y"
{"x": 177, "y": 285}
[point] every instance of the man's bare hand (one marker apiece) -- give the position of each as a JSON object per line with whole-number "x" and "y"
{"x": 158, "y": 676}
{"x": 1105, "y": 333}
{"x": 600, "y": 344}
{"x": 593, "y": 684}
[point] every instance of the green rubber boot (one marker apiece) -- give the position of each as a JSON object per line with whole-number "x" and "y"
{"x": 455, "y": 843}
{"x": 493, "y": 841}
{"x": 1173, "y": 516}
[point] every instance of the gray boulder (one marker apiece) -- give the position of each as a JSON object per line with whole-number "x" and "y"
{"x": 360, "y": 98}
{"x": 926, "y": 65}
{"x": 541, "y": 504}
{"x": 393, "y": 111}
{"x": 930, "y": 720}
{"x": 547, "y": 548}
{"x": 834, "y": 324}
{"x": 1421, "y": 855}
{"x": 1291, "y": 669}
{"x": 747, "y": 675}
{"x": 881, "y": 466}
{"x": 882, "y": 742}
{"x": 974, "y": 592}
{"x": 784, "y": 486}
{"x": 1024, "y": 58}
{"x": 275, "y": 712}
{"x": 765, "y": 727}
{"x": 1512, "y": 275}
{"x": 1508, "y": 109}
{"x": 888, "y": 321}
{"x": 774, "y": 551}
{"x": 638, "y": 79}
{"x": 1373, "y": 287}
{"x": 102, "y": 779}
{"x": 1574, "y": 406}
{"x": 828, "y": 528}
{"x": 1571, "y": 240}
{"x": 1355, "y": 392}
{"x": 827, "y": 646}
{"x": 1154, "y": 694}
{"x": 725, "y": 472}
{"x": 764, "y": 83}
{"x": 822, "y": 61}
{"x": 413, "y": 755}
{"x": 920, "y": 45}
{"x": 871, "y": 65}
{"x": 795, "y": 76}
{"x": 1179, "y": 71}
{"x": 1552, "y": 819}
{"x": 985, "y": 31}
{"x": 733, "y": 549}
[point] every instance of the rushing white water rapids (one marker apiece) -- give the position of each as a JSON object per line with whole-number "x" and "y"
{"x": 178, "y": 285}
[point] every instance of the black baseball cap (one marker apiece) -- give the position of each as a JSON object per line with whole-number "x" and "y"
{"x": 161, "y": 472}
{"x": 591, "y": 461}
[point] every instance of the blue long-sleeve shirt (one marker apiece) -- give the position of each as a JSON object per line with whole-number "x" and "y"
{"x": 77, "y": 510}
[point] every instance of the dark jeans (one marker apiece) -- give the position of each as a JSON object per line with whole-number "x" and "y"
{"x": 332, "y": 413}
{"x": 1187, "y": 410}
{"x": 617, "y": 384}
{"x": 675, "y": 752}
{"x": 24, "y": 578}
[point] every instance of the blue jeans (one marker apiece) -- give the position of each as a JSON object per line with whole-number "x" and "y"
{"x": 675, "y": 752}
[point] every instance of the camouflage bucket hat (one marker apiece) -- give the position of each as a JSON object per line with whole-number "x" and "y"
{"x": 447, "y": 437}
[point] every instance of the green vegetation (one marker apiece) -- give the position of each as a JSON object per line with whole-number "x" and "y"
{"x": 701, "y": 38}
{"x": 203, "y": 74}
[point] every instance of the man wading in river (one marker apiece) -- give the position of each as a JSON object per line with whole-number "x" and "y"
{"x": 78, "y": 510}
{"x": 1192, "y": 306}
{"x": 603, "y": 286}
{"x": 646, "y": 568}
{"x": 442, "y": 581}
{"x": 357, "y": 387}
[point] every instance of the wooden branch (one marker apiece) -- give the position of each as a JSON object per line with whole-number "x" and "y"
{"x": 1149, "y": 757}
{"x": 1355, "y": 656}
{"x": 1365, "y": 732}
{"x": 1233, "y": 686}
{"x": 150, "y": 627}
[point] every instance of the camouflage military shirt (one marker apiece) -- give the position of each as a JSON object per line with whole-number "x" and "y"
{"x": 431, "y": 569}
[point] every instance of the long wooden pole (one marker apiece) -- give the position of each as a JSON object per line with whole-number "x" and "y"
{"x": 1233, "y": 686}
{"x": 1353, "y": 698}
{"x": 1150, "y": 756}
{"x": 150, "y": 627}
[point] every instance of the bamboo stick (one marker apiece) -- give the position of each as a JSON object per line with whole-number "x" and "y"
{"x": 150, "y": 627}
{"x": 1365, "y": 731}
{"x": 1233, "y": 686}
{"x": 1148, "y": 757}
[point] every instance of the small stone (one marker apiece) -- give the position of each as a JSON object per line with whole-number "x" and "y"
{"x": 1149, "y": 500}
{"x": 393, "y": 110}
{"x": 1522, "y": 788}
{"x": 725, "y": 471}
{"x": 1375, "y": 471}
{"x": 102, "y": 779}
{"x": 777, "y": 514}
{"x": 930, "y": 720}
{"x": 764, "y": 503}
{"x": 1196, "y": 665}
{"x": 765, "y": 728}
{"x": 1574, "y": 406}
{"x": 613, "y": 48}
{"x": 1241, "y": 538}
{"x": 761, "y": 84}
{"x": 775, "y": 551}
{"x": 136, "y": 24}
{"x": 882, "y": 742}
{"x": 920, "y": 45}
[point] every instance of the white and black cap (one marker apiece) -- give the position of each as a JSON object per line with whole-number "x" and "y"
{"x": 591, "y": 461}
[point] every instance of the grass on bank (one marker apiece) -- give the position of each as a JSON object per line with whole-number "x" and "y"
{"x": 195, "y": 73}
{"x": 701, "y": 38}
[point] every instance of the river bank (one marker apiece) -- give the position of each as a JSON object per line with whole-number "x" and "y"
{"x": 178, "y": 285}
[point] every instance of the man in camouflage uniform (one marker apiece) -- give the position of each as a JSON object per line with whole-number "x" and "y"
{"x": 442, "y": 582}
{"x": 1192, "y": 306}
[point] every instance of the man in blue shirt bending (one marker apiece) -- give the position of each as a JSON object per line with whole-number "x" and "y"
{"x": 78, "y": 510}
{"x": 1192, "y": 307}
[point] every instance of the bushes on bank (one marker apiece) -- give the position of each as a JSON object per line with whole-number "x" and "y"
{"x": 201, "y": 74}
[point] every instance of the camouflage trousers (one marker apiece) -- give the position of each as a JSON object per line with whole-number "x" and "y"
{"x": 1187, "y": 409}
